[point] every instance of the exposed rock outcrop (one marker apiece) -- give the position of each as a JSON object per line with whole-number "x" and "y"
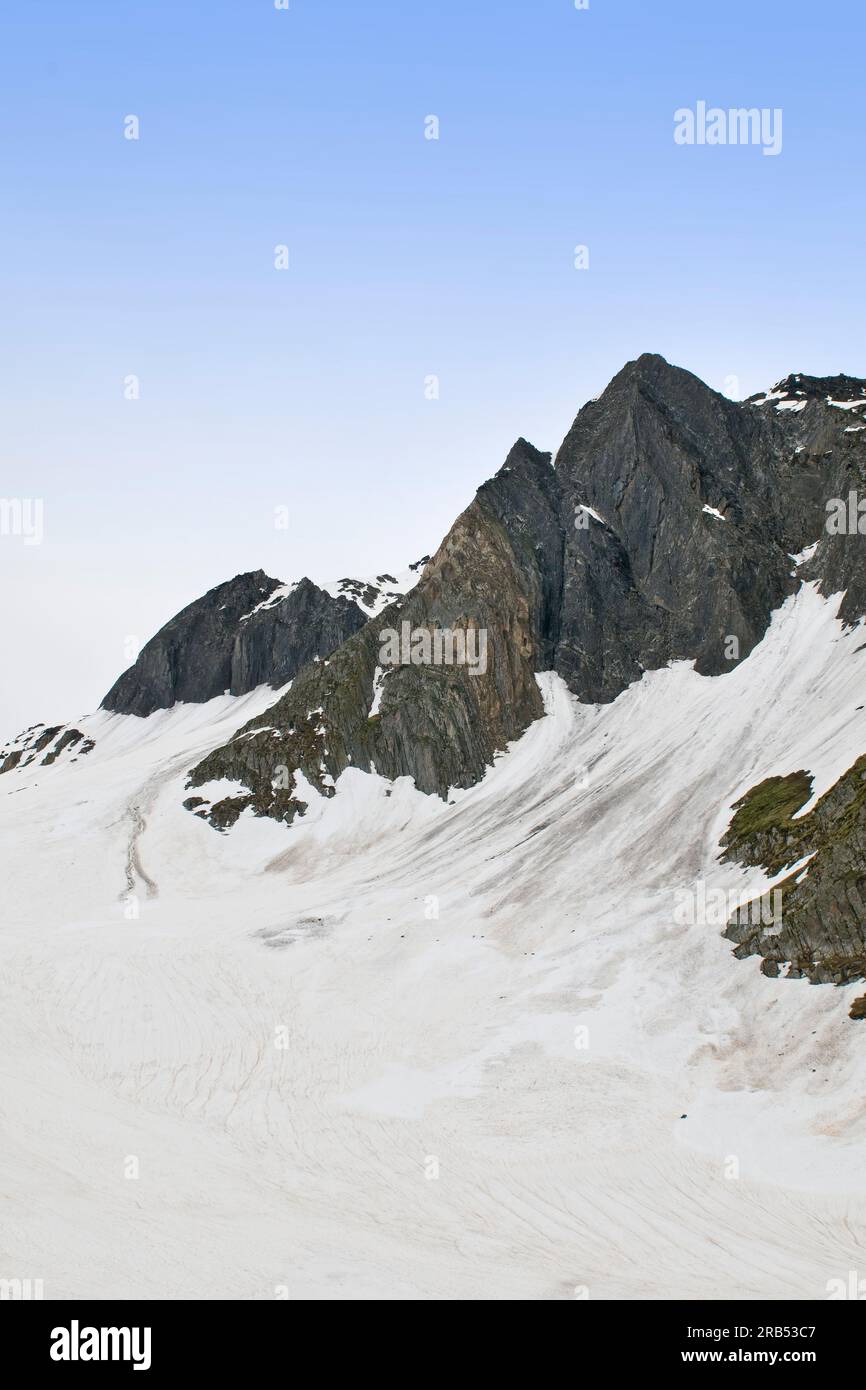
{"x": 250, "y": 631}
{"x": 439, "y": 724}
{"x": 44, "y": 745}
{"x": 190, "y": 658}
{"x": 821, "y": 933}
{"x": 276, "y": 640}
{"x": 701, "y": 501}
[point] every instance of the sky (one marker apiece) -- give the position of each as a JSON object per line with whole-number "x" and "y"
{"x": 184, "y": 408}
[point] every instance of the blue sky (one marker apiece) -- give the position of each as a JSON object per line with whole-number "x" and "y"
{"x": 409, "y": 257}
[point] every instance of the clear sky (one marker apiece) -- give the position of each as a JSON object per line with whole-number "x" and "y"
{"x": 409, "y": 257}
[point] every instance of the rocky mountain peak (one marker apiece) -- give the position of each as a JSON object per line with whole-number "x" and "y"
{"x": 249, "y": 631}
{"x": 663, "y": 532}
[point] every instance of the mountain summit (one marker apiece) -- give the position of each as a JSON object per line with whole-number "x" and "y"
{"x": 664, "y": 531}
{"x": 250, "y": 631}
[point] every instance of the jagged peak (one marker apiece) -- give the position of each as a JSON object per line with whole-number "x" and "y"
{"x": 521, "y": 450}
{"x": 522, "y": 456}
{"x": 241, "y": 587}
{"x": 651, "y": 370}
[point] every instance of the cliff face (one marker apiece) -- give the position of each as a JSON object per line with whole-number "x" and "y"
{"x": 691, "y": 549}
{"x": 247, "y": 632}
{"x": 821, "y": 928}
{"x": 275, "y": 641}
{"x": 440, "y": 724}
{"x": 190, "y": 659}
{"x": 665, "y": 530}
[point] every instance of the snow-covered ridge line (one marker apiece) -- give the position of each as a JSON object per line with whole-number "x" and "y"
{"x": 374, "y": 593}
{"x": 790, "y": 395}
{"x": 371, "y": 593}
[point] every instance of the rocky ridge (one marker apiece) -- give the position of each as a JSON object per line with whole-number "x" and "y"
{"x": 666, "y": 529}
{"x": 249, "y": 631}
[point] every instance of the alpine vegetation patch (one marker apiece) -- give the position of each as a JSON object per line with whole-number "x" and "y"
{"x": 23, "y": 516}
{"x": 738, "y": 125}
{"x": 846, "y": 516}
{"x": 439, "y": 646}
{"x": 713, "y": 907}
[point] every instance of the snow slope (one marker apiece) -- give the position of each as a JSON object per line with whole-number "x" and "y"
{"x": 426, "y": 1050}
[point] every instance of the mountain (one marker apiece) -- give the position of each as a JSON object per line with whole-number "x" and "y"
{"x": 671, "y": 526}
{"x": 665, "y": 530}
{"x": 250, "y": 631}
{"x": 464, "y": 1000}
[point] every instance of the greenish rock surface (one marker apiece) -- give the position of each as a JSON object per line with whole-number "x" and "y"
{"x": 822, "y": 934}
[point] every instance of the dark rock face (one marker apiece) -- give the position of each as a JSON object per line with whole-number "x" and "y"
{"x": 822, "y": 929}
{"x": 190, "y": 658}
{"x": 660, "y": 577}
{"x": 665, "y": 531}
{"x": 274, "y": 643}
{"x": 44, "y": 745}
{"x": 437, "y": 723}
{"x": 244, "y": 633}
{"x": 822, "y": 420}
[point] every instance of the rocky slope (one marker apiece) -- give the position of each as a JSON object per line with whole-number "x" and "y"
{"x": 821, "y": 927}
{"x": 665, "y": 530}
{"x": 250, "y": 631}
{"x": 439, "y": 724}
{"x": 44, "y": 744}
